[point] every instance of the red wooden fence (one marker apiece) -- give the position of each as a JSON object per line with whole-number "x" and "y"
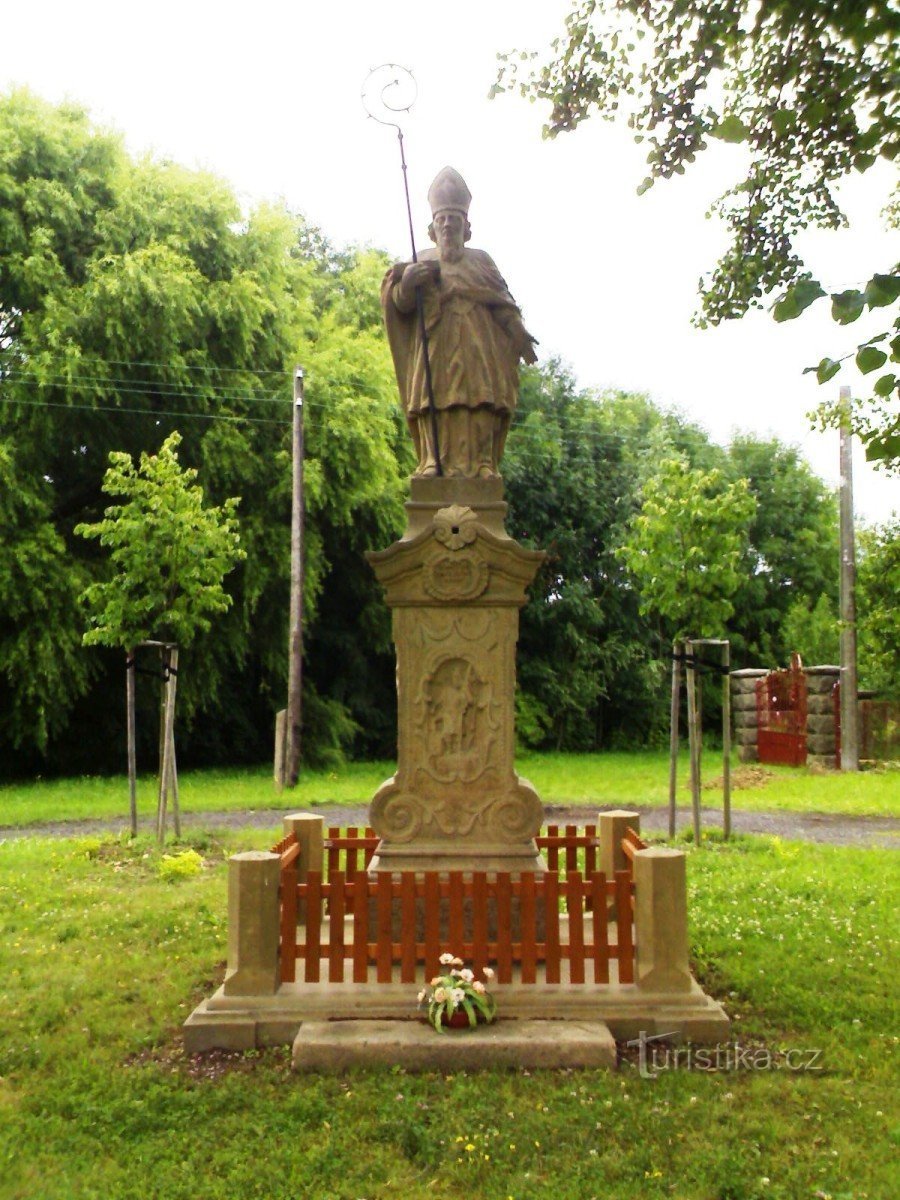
{"x": 329, "y": 918}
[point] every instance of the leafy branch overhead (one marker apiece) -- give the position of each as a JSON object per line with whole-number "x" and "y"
{"x": 807, "y": 87}
{"x": 169, "y": 553}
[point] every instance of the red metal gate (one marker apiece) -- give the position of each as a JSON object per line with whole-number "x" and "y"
{"x": 781, "y": 716}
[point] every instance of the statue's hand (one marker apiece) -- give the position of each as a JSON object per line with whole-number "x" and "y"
{"x": 528, "y": 351}
{"x": 417, "y": 274}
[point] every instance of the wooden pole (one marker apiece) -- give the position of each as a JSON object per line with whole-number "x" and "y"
{"x": 694, "y": 740}
{"x": 130, "y": 667}
{"x": 726, "y": 739}
{"x": 168, "y": 741}
{"x": 849, "y": 682}
{"x": 173, "y": 766}
{"x": 163, "y": 765}
{"x": 677, "y": 651}
{"x": 295, "y": 650}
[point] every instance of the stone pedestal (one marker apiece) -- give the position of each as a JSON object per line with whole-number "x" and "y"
{"x": 455, "y": 583}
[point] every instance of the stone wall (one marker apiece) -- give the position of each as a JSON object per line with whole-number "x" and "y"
{"x": 743, "y": 709}
{"x": 820, "y": 732}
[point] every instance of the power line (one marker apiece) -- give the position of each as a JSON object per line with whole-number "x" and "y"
{"x": 144, "y": 412}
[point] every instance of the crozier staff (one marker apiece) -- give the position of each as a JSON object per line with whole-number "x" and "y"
{"x": 475, "y": 341}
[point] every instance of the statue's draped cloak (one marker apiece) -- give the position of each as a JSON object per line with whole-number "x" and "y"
{"x": 474, "y": 331}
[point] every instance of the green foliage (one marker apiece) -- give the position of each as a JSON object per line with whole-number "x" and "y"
{"x": 169, "y": 553}
{"x": 792, "y": 553}
{"x": 808, "y": 88}
{"x": 877, "y": 608}
{"x": 684, "y": 547}
{"x": 182, "y": 865}
{"x": 137, "y": 298}
{"x": 812, "y": 631}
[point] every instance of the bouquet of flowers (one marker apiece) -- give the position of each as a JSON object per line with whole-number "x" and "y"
{"x": 457, "y": 997}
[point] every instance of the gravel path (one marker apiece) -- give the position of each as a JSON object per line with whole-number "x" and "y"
{"x": 831, "y": 828}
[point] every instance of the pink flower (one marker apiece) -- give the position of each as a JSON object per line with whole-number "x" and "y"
{"x": 488, "y": 973}
{"x": 466, "y": 975}
{"x": 479, "y": 987}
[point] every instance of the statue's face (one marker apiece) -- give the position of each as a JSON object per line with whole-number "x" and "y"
{"x": 449, "y": 233}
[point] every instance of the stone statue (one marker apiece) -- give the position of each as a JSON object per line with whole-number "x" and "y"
{"x": 475, "y": 340}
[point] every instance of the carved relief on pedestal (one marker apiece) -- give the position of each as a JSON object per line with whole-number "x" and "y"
{"x": 456, "y": 717}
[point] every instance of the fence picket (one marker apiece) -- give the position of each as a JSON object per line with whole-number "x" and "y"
{"x": 528, "y": 927}
{"x": 384, "y": 918}
{"x": 456, "y": 906}
{"x": 432, "y": 923}
{"x": 623, "y": 927}
{"x": 575, "y": 906}
{"x": 351, "y": 854}
{"x": 479, "y": 921}
{"x": 504, "y": 927}
{"x": 288, "y": 935}
{"x": 408, "y": 927}
{"x": 313, "y": 926}
{"x": 336, "y": 910}
{"x": 600, "y": 925}
{"x": 551, "y": 919}
{"x": 360, "y": 929}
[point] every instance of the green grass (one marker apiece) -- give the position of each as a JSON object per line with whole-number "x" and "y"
{"x": 594, "y": 780}
{"x": 101, "y": 959}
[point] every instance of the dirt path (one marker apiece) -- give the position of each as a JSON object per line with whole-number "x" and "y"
{"x": 831, "y": 828}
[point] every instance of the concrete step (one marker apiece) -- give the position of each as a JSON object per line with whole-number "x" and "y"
{"x": 331, "y": 1046}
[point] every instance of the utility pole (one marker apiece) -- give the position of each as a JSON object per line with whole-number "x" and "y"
{"x": 295, "y": 650}
{"x": 849, "y": 685}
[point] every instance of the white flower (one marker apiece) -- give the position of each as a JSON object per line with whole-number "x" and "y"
{"x": 446, "y": 959}
{"x": 466, "y": 975}
{"x": 455, "y": 974}
{"x": 457, "y": 995}
{"x": 479, "y": 987}
{"x": 422, "y": 996}
{"x": 457, "y": 962}
{"x": 488, "y": 972}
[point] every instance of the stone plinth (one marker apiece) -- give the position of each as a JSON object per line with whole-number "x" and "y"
{"x": 455, "y": 583}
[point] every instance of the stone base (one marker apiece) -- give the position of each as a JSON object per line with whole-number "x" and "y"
{"x": 467, "y": 858}
{"x": 341, "y": 1045}
{"x": 245, "y": 1022}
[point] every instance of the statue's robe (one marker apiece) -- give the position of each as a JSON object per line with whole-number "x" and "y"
{"x": 475, "y": 337}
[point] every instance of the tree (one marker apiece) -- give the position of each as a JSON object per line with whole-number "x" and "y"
{"x": 791, "y": 556}
{"x": 684, "y": 546}
{"x": 808, "y": 87}
{"x": 136, "y": 298}
{"x": 878, "y": 613}
{"x": 168, "y": 551}
{"x": 589, "y": 663}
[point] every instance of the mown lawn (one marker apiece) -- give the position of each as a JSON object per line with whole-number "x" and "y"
{"x": 102, "y": 959}
{"x": 594, "y": 780}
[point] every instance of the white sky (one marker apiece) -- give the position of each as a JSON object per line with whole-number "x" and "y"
{"x": 268, "y": 96}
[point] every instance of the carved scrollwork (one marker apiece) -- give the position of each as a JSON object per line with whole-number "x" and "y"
{"x": 397, "y": 816}
{"x": 515, "y": 817}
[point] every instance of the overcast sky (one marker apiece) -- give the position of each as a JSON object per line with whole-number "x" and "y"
{"x": 268, "y": 96}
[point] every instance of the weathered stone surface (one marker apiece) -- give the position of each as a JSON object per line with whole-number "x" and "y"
{"x": 821, "y": 680}
{"x": 745, "y": 735}
{"x": 660, "y": 920}
{"x": 744, "y": 702}
{"x": 455, "y": 583}
{"x": 414, "y": 1045}
{"x": 252, "y": 923}
{"x": 820, "y": 723}
{"x": 820, "y": 743}
{"x": 748, "y": 754}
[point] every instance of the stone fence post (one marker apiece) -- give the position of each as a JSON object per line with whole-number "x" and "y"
{"x": 612, "y": 826}
{"x": 743, "y": 707}
{"x": 821, "y": 745}
{"x": 252, "y": 924}
{"x": 310, "y": 831}
{"x": 660, "y": 920}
